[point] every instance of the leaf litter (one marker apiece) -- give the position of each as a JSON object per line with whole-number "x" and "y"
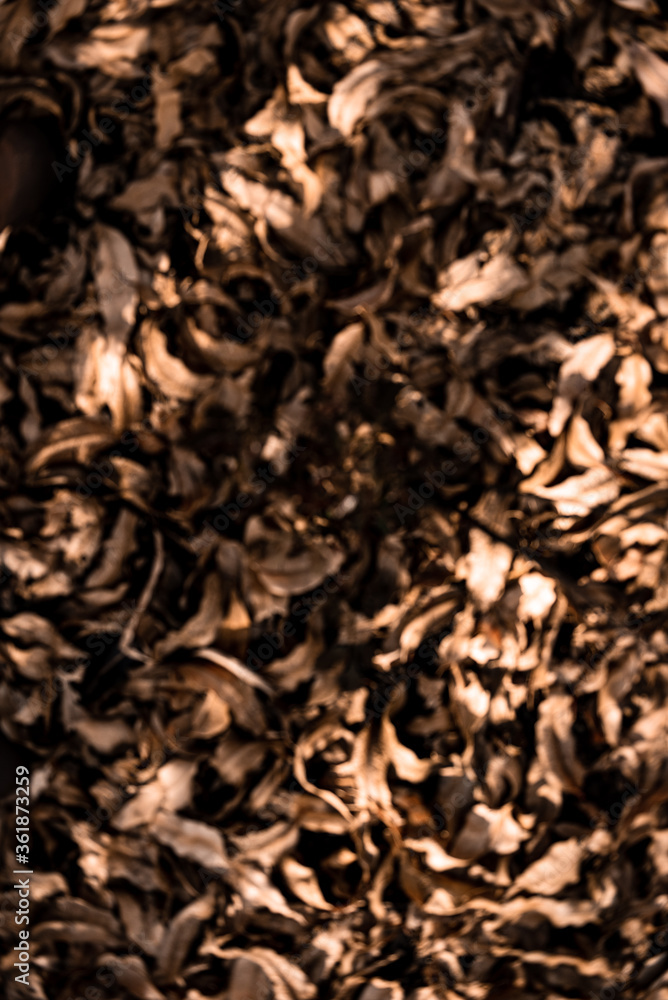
{"x": 333, "y": 477}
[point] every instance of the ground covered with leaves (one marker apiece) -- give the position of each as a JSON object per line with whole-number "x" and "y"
{"x": 333, "y": 490}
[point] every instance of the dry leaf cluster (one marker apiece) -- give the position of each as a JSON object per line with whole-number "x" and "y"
{"x": 334, "y": 476}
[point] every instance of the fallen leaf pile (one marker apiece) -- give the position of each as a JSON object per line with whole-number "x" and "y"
{"x": 333, "y": 500}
